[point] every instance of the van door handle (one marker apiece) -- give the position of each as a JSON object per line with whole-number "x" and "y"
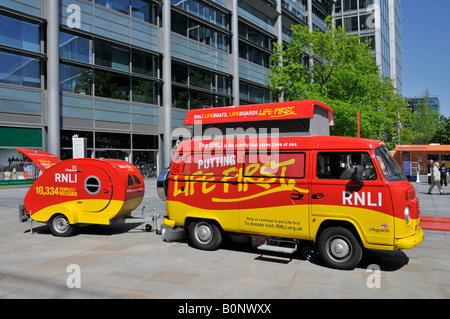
{"x": 296, "y": 196}
{"x": 318, "y": 196}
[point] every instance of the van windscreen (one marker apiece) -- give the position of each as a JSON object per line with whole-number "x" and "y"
{"x": 388, "y": 165}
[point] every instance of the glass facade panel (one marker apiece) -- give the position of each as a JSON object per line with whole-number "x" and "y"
{"x": 19, "y": 33}
{"x": 180, "y": 97}
{"x": 145, "y": 141}
{"x": 179, "y": 23}
{"x": 122, "y": 6}
{"x": 220, "y": 83}
{"x": 19, "y": 69}
{"x": 75, "y": 47}
{"x": 145, "y": 162}
{"x": 145, "y": 63}
{"x": 66, "y": 137}
{"x": 112, "y": 55}
{"x": 198, "y": 31}
{"x": 180, "y": 72}
{"x": 199, "y": 100}
{"x": 145, "y": 91}
{"x": 112, "y": 85}
{"x": 75, "y": 79}
{"x": 145, "y": 10}
{"x": 200, "y": 78}
{"x": 112, "y": 140}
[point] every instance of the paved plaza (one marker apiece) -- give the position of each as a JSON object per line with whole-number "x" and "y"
{"x": 123, "y": 261}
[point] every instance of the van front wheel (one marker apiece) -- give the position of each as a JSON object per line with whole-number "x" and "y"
{"x": 339, "y": 248}
{"x": 205, "y": 235}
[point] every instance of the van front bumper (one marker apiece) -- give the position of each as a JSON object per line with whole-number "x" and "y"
{"x": 169, "y": 223}
{"x": 411, "y": 241}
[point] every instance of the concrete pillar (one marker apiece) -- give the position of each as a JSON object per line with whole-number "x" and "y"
{"x": 167, "y": 82}
{"x": 279, "y": 33}
{"x": 235, "y": 51}
{"x": 53, "y": 107}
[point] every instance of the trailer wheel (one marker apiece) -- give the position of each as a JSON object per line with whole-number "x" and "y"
{"x": 339, "y": 248}
{"x": 205, "y": 235}
{"x": 60, "y": 226}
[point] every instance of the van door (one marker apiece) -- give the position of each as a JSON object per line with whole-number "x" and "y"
{"x": 273, "y": 194}
{"x": 205, "y": 187}
{"x": 94, "y": 188}
{"x": 335, "y": 196}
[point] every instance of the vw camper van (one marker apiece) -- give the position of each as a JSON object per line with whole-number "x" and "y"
{"x": 273, "y": 170}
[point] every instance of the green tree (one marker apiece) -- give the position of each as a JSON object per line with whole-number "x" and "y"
{"x": 442, "y": 135}
{"x": 339, "y": 70}
{"x": 424, "y": 122}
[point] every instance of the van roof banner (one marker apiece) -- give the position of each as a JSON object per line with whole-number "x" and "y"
{"x": 257, "y": 112}
{"x": 43, "y": 160}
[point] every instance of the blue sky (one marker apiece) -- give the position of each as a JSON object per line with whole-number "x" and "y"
{"x": 426, "y": 49}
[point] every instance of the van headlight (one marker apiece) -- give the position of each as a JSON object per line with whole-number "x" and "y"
{"x": 407, "y": 216}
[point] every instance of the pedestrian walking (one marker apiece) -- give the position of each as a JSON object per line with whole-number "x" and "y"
{"x": 430, "y": 169}
{"x": 436, "y": 179}
{"x": 443, "y": 170}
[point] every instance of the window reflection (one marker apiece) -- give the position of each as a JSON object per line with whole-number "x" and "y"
{"x": 199, "y": 31}
{"x": 75, "y": 79}
{"x": 19, "y": 33}
{"x": 145, "y": 63}
{"x": 112, "y": 85}
{"x": 74, "y": 47}
{"x": 19, "y": 69}
{"x": 112, "y": 55}
{"x": 145, "y": 91}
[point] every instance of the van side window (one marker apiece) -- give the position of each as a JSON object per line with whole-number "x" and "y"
{"x": 274, "y": 165}
{"x": 341, "y": 165}
{"x": 210, "y": 164}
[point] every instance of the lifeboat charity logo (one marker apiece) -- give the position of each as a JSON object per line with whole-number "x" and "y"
{"x": 278, "y": 112}
{"x": 384, "y": 228}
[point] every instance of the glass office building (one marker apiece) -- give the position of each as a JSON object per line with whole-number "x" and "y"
{"x": 124, "y": 73}
{"x": 379, "y": 22}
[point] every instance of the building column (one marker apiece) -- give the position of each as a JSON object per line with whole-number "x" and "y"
{"x": 279, "y": 32}
{"x": 235, "y": 51}
{"x": 310, "y": 15}
{"x": 310, "y": 24}
{"x": 53, "y": 107}
{"x": 167, "y": 82}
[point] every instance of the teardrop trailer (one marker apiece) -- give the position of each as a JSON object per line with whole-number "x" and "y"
{"x": 80, "y": 191}
{"x": 341, "y": 194}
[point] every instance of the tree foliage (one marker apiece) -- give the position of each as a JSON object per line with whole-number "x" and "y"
{"x": 424, "y": 122}
{"x": 339, "y": 70}
{"x": 442, "y": 135}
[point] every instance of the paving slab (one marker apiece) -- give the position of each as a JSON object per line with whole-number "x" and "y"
{"x": 122, "y": 261}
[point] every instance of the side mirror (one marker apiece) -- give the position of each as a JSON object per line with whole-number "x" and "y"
{"x": 358, "y": 173}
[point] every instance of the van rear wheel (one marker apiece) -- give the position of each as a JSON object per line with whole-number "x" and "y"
{"x": 339, "y": 248}
{"x": 205, "y": 235}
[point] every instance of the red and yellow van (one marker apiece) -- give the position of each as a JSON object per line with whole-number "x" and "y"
{"x": 344, "y": 194}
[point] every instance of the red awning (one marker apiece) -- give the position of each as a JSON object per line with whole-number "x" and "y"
{"x": 43, "y": 160}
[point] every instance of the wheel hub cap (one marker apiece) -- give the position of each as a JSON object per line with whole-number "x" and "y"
{"x": 204, "y": 233}
{"x": 339, "y": 248}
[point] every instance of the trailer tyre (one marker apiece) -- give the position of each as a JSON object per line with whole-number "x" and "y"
{"x": 339, "y": 248}
{"x": 60, "y": 226}
{"x": 205, "y": 235}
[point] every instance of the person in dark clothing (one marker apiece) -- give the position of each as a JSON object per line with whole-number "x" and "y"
{"x": 430, "y": 169}
{"x": 443, "y": 170}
